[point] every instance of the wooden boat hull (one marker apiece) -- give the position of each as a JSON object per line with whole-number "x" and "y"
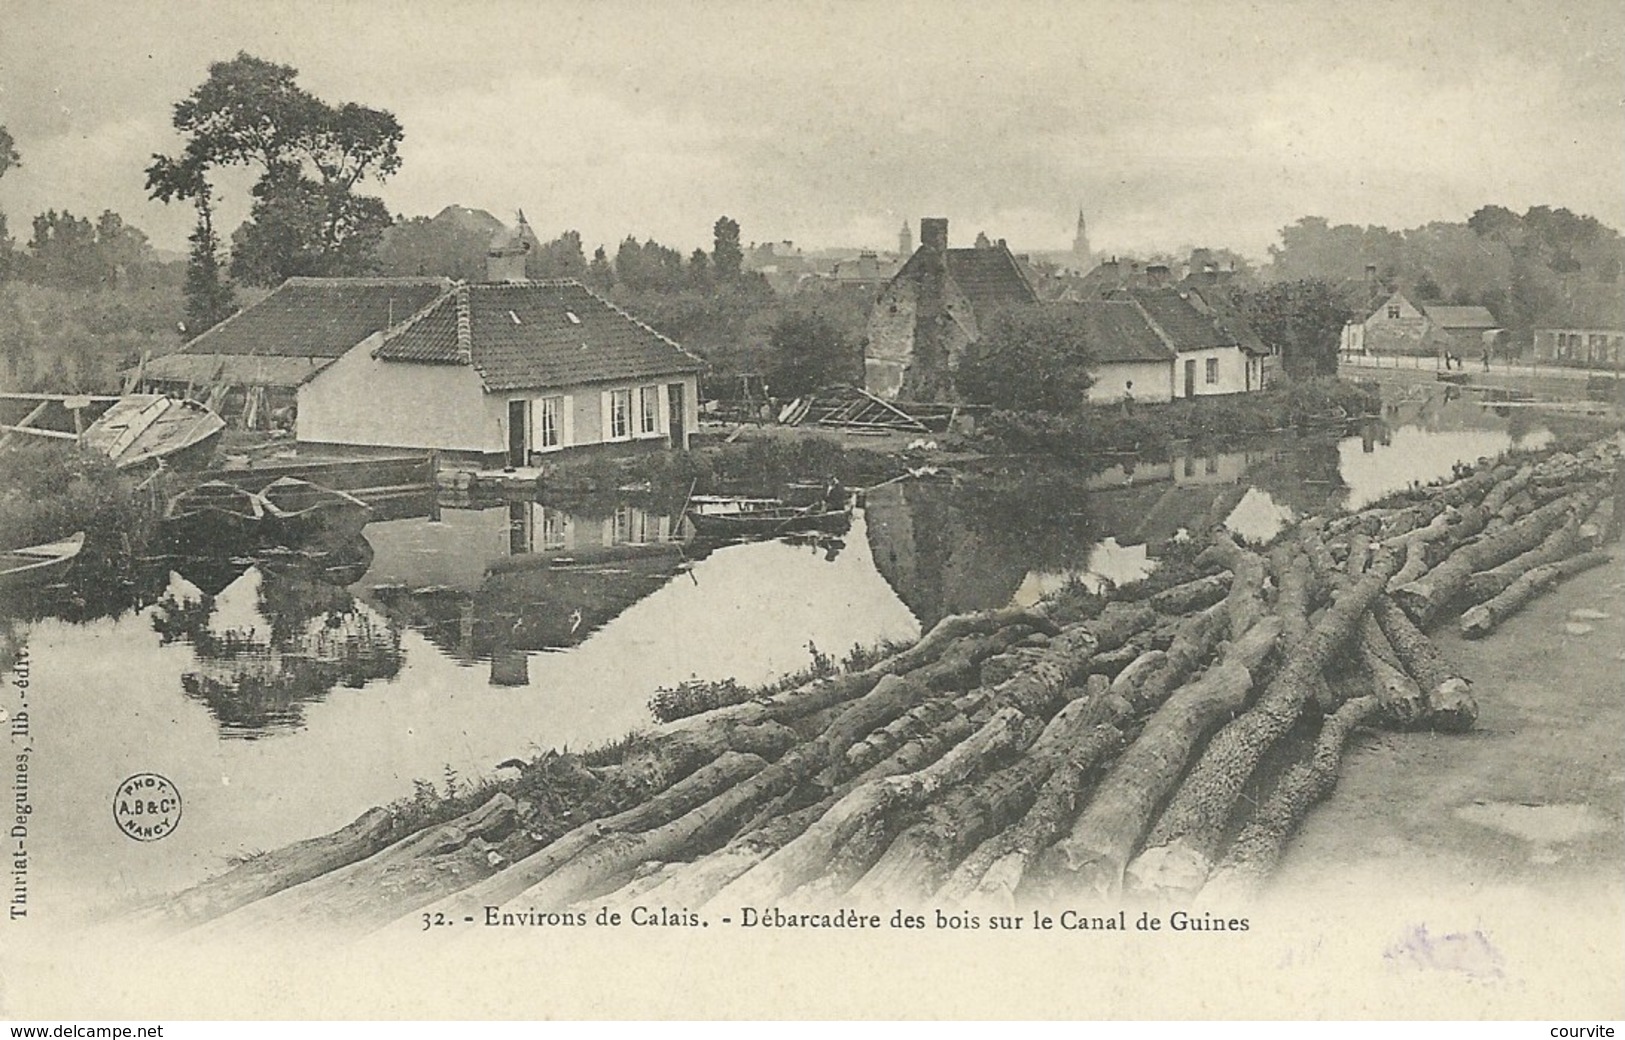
{"x": 214, "y": 517}
{"x": 36, "y": 565}
{"x": 148, "y": 429}
{"x": 299, "y": 513}
{"x": 769, "y": 523}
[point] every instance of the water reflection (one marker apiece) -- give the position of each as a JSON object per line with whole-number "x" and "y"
{"x": 273, "y": 635}
{"x": 459, "y": 637}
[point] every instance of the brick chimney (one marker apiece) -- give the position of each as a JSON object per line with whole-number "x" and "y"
{"x": 934, "y": 234}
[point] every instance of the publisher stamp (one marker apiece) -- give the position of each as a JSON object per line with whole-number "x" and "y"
{"x": 147, "y": 807}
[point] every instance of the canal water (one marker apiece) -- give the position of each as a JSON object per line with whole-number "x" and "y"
{"x": 283, "y": 697}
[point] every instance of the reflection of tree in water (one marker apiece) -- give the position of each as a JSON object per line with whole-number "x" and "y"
{"x": 315, "y": 638}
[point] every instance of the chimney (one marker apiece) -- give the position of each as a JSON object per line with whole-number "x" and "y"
{"x": 505, "y": 259}
{"x": 934, "y": 234}
{"x": 1371, "y": 272}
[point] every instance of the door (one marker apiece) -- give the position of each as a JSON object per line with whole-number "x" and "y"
{"x": 675, "y": 412}
{"x": 518, "y": 432}
{"x": 1190, "y": 377}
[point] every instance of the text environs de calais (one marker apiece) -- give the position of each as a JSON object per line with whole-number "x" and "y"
{"x": 22, "y": 753}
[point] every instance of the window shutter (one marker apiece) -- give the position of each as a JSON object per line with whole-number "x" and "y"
{"x": 605, "y": 422}
{"x": 567, "y": 421}
{"x": 663, "y": 410}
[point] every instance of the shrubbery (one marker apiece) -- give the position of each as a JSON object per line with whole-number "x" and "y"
{"x": 1103, "y": 429}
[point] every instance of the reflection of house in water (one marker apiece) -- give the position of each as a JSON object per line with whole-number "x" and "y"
{"x": 934, "y": 558}
{"x": 496, "y": 583}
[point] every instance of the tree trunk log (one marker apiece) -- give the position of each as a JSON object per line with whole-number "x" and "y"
{"x": 1428, "y": 597}
{"x": 1192, "y": 595}
{"x": 1197, "y": 815}
{"x": 1450, "y": 704}
{"x": 1257, "y": 849}
{"x": 727, "y": 771}
{"x": 1094, "y": 855}
{"x": 370, "y": 893}
{"x": 1486, "y": 617}
{"x": 805, "y": 857}
{"x": 266, "y": 875}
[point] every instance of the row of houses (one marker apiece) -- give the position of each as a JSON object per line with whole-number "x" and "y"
{"x": 1397, "y": 325}
{"x": 511, "y": 371}
{"x": 1152, "y": 339}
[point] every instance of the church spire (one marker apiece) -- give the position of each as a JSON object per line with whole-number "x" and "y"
{"x": 1082, "y": 256}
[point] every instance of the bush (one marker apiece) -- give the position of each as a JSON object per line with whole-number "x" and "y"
{"x": 1094, "y": 430}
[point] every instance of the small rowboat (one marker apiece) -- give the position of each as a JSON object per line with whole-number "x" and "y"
{"x": 769, "y": 523}
{"x": 35, "y": 565}
{"x": 300, "y": 512}
{"x": 214, "y": 517}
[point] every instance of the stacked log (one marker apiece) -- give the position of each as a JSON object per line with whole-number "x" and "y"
{"x": 1013, "y": 755}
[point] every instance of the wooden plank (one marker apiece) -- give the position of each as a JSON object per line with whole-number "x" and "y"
{"x": 33, "y": 432}
{"x": 24, "y": 426}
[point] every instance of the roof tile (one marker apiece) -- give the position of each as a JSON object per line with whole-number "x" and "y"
{"x": 538, "y": 334}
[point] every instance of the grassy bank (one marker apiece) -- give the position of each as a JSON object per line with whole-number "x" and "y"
{"x": 1096, "y": 430}
{"x": 48, "y": 493}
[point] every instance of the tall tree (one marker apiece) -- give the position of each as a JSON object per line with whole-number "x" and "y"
{"x": 1303, "y": 319}
{"x": 808, "y": 351}
{"x": 8, "y": 152}
{"x": 8, "y": 159}
{"x": 1030, "y": 358}
{"x": 308, "y": 216}
{"x": 726, "y": 255}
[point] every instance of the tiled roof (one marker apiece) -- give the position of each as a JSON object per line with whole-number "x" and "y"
{"x": 990, "y": 279}
{"x": 1181, "y": 323}
{"x": 1460, "y": 317}
{"x": 520, "y": 335}
{"x": 1115, "y": 330}
{"x": 233, "y": 369}
{"x": 318, "y": 317}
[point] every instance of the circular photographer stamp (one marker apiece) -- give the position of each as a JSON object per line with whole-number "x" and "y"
{"x": 147, "y": 807}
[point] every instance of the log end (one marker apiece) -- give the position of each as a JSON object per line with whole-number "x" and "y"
{"x": 1174, "y": 870}
{"x": 1452, "y": 708}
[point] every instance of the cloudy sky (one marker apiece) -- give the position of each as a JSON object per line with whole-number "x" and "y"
{"x": 1204, "y": 122}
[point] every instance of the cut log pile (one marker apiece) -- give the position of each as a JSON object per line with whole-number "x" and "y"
{"x": 1170, "y": 744}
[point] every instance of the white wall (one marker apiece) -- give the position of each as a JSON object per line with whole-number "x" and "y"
{"x": 364, "y": 401}
{"x": 361, "y": 400}
{"x": 1231, "y": 376}
{"x": 1153, "y": 381}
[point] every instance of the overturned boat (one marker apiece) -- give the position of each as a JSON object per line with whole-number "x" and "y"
{"x": 145, "y": 429}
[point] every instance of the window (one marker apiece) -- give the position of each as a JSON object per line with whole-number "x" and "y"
{"x": 649, "y": 410}
{"x": 620, "y": 414}
{"x": 1393, "y": 310}
{"x": 549, "y": 423}
{"x": 1212, "y": 370}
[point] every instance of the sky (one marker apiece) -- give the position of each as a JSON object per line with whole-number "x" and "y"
{"x": 1198, "y": 123}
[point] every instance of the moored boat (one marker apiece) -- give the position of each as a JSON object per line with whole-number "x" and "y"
{"x": 34, "y": 565}
{"x": 143, "y": 429}
{"x": 769, "y": 522}
{"x": 214, "y": 517}
{"x": 300, "y": 512}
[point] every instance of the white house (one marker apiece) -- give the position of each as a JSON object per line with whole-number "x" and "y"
{"x": 507, "y": 372}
